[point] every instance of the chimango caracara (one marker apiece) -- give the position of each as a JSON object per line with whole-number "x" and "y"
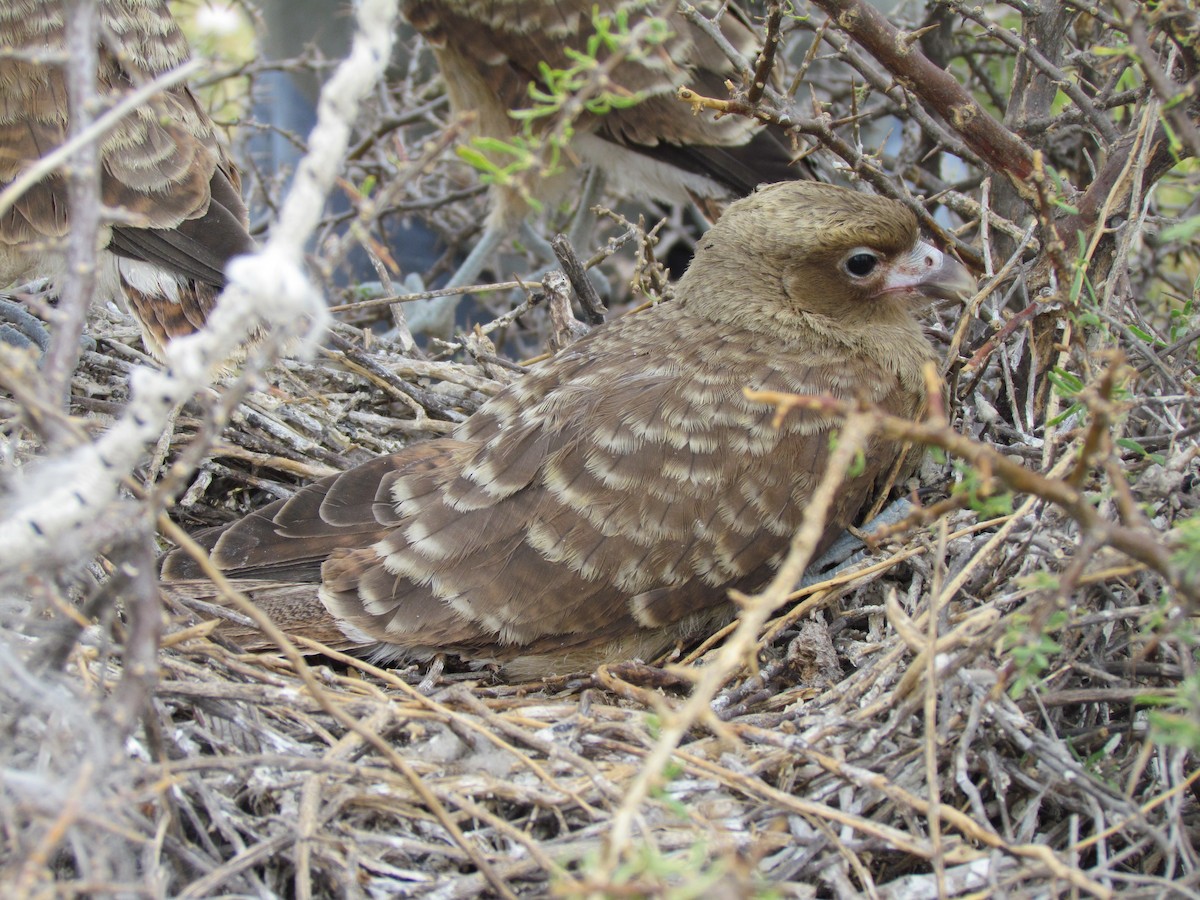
{"x": 179, "y": 212}
{"x": 602, "y": 506}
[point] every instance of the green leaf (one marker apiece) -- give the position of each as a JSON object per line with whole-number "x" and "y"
{"x": 1184, "y": 231}
{"x": 475, "y": 159}
{"x": 1134, "y": 447}
{"x": 1039, "y": 581}
{"x": 858, "y": 466}
{"x": 1146, "y": 336}
{"x": 1073, "y": 409}
{"x": 1067, "y": 383}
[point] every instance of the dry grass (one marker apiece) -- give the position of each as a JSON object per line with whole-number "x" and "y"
{"x": 1001, "y": 699}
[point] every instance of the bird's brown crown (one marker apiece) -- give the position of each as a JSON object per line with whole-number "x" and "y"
{"x": 807, "y": 218}
{"x": 780, "y": 254}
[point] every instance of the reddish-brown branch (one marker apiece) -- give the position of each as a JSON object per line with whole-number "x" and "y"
{"x": 995, "y": 144}
{"x": 766, "y": 59}
{"x": 1137, "y": 543}
{"x": 980, "y": 356}
{"x": 1160, "y": 160}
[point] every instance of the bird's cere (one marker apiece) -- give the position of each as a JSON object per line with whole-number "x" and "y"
{"x": 929, "y": 272}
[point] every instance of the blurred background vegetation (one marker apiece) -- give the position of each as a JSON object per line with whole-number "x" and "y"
{"x": 1004, "y": 699}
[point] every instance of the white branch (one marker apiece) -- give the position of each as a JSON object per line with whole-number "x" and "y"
{"x": 44, "y": 521}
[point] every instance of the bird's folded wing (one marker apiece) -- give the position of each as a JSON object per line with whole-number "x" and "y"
{"x": 197, "y": 247}
{"x": 294, "y": 608}
{"x": 508, "y": 43}
{"x": 605, "y": 498}
{"x": 161, "y": 165}
{"x": 288, "y": 540}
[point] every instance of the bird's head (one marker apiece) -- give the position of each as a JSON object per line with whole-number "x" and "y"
{"x": 825, "y": 254}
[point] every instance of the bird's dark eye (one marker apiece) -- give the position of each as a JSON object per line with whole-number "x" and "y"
{"x": 861, "y": 265}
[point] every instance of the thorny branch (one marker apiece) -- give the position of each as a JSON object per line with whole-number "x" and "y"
{"x": 1144, "y": 545}
{"x": 881, "y": 735}
{"x": 1003, "y": 151}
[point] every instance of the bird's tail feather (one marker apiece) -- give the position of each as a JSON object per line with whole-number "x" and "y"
{"x": 294, "y": 608}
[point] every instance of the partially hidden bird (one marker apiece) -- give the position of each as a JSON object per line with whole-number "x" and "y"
{"x": 496, "y": 55}
{"x": 177, "y": 211}
{"x": 600, "y": 507}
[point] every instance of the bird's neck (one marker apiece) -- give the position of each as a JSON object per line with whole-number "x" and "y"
{"x": 884, "y": 333}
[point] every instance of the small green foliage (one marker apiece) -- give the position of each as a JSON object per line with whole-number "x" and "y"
{"x": 980, "y": 496}
{"x": 1066, "y": 383}
{"x": 651, "y": 867}
{"x": 1039, "y": 581}
{"x": 1060, "y": 103}
{"x": 1160, "y": 614}
{"x": 1146, "y": 336}
{"x": 1068, "y": 386}
{"x": 1179, "y": 729}
{"x": 524, "y": 155}
{"x": 1099, "y": 762}
{"x": 653, "y": 725}
{"x": 1173, "y": 141}
{"x": 1080, "y": 280}
{"x": 1183, "y": 231}
{"x": 651, "y": 872}
{"x": 558, "y": 98}
{"x": 791, "y": 12}
{"x": 672, "y": 770}
{"x": 1031, "y": 652}
{"x": 859, "y": 465}
{"x": 1124, "y": 50}
{"x": 1176, "y": 718}
{"x": 1134, "y": 447}
{"x": 1183, "y": 321}
{"x": 1186, "y": 557}
{"x": 1059, "y": 191}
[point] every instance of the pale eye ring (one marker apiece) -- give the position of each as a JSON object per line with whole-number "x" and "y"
{"x": 860, "y": 263}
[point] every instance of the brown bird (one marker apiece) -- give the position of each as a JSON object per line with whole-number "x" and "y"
{"x": 491, "y": 51}
{"x": 600, "y": 507}
{"x": 182, "y": 215}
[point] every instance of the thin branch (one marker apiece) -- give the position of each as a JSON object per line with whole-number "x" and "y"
{"x": 83, "y": 198}
{"x": 995, "y": 144}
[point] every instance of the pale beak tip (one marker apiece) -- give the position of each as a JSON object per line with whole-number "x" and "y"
{"x": 950, "y": 281}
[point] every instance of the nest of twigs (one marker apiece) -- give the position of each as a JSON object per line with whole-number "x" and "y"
{"x": 999, "y": 697}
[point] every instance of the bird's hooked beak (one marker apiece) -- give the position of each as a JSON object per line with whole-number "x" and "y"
{"x": 931, "y": 273}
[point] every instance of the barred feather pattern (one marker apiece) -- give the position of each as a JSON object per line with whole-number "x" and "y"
{"x": 162, "y": 166}
{"x": 603, "y": 505}
{"x": 491, "y": 51}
